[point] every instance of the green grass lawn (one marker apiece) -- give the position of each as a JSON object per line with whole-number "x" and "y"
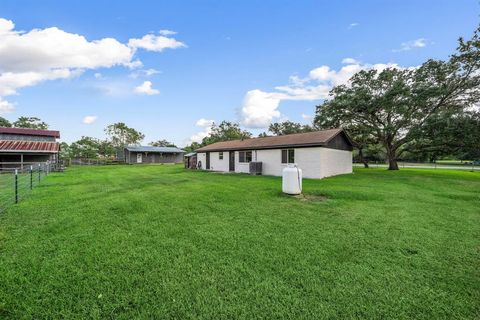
{"x": 157, "y": 242}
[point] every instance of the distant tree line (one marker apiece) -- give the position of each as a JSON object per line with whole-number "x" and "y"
{"x": 119, "y": 135}
{"x": 24, "y": 122}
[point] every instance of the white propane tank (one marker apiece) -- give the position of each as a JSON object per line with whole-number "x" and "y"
{"x": 292, "y": 179}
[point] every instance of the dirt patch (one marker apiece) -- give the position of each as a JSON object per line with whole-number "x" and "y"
{"x": 310, "y": 197}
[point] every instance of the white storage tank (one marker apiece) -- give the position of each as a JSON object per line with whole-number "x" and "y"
{"x": 292, "y": 179}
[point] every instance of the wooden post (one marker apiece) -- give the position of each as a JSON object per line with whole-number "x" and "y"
{"x": 16, "y": 185}
{"x": 21, "y": 161}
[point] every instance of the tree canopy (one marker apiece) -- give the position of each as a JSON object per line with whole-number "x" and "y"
{"x": 30, "y": 122}
{"x": 226, "y": 131}
{"x": 288, "y": 127}
{"x": 122, "y": 135}
{"x": 192, "y": 147}
{"x": 392, "y": 107}
{"x": 5, "y": 123}
{"x": 88, "y": 148}
{"x": 85, "y": 147}
{"x": 162, "y": 143}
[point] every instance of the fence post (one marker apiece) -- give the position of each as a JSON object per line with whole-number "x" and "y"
{"x": 16, "y": 185}
{"x": 31, "y": 177}
{"x": 39, "y": 177}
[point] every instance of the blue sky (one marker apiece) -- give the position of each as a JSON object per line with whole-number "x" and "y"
{"x": 247, "y": 61}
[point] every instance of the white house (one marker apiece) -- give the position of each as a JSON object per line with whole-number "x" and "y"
{"x": 319, "y": 154}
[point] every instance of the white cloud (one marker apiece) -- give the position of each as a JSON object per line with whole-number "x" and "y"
{"x": 6, "y": 107}
{"x": 350, "y": 61}
{"x": 353, "y": 25}
{"x": 28, "y": 58}
{"x": 413, "y": 44}
{"x": 260, "y": 108}
{"x": 49, "y": 49}
{"x": 206, "y": 126}
{"x": 89, "y": 119}
{"x": 144, "y": 73}
{"x": 151, "y": 72}
{"x": 151, "y": 42}
{"x": 166, "y": 32}
{"x": 11, "y": 81}
{"x": 204, "y": 123}
{"x": 98, "y": 75}
{"x": 146, "y": 88}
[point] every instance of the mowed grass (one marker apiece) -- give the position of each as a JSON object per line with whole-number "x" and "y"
{"x": 160, "y": 242}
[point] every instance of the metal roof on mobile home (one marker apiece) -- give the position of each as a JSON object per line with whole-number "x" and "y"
{"x": 154, "y": 149}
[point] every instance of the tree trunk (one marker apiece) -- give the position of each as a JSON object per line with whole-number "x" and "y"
{"x": 362, "y": 159}
{"x": 392, "y": 164}
{"x": 392, "y": 158}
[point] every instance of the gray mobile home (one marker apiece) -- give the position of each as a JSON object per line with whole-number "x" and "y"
{"x": 148, "y": 154}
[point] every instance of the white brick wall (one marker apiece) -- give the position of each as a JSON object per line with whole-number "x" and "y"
{"x": 271, "y": 162}
{"x": 216, "y": 164}
{"x": 242, "y": 167}
{"x": 334, "y": 162}
{"x": 316, "y": 163}
{"x": 203, "y": 158}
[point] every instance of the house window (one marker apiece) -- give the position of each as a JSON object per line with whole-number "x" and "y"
{"x": 245, "y": 156}
{"x": 288, "y": 156}
{"x": 220, "y": 156}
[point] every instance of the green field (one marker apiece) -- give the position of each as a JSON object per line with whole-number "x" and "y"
{"x": 159, "y": 242}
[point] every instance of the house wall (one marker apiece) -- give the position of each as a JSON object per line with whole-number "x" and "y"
{"x": 242, "y": 167}
{"x": 216, "y": 164}
{"x": 202, "y": 157}
{"x": 315, "y": 162}
{"x": 308, "y": 159}
{"x": 334, "y": 162}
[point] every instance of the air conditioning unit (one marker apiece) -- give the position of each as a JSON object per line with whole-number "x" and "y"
{"x": 255, "y": 168}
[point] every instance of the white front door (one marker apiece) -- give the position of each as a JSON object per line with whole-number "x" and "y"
{"x": 139, "y": 158}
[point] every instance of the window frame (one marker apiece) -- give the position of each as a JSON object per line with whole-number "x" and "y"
{"x": 245, "y": 157}
{"x": 220, "y": 155}
{"x": 288, "y": 155}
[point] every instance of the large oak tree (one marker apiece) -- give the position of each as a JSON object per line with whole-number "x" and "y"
{"x": 392, "y": 107}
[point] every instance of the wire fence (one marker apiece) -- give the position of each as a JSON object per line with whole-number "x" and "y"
{"x": 92, "y": 162}
{"x": 17, "y": 183}
{"x": 471, "y": 166}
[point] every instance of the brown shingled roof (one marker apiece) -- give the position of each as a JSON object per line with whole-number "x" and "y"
{"x": 308, "y": 139}
{"x": 28, "y": 146}
{"x": 31, "y": 132}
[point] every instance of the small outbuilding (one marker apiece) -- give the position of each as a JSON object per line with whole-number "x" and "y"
{"x": 23, "y": 146}
{"x": 191, "y": 160}
{"x": 149, "y": 154}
